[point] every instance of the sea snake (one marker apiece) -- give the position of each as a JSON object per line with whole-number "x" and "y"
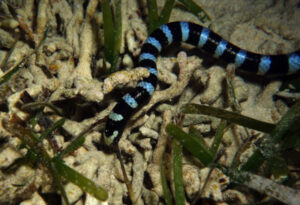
{"x": 201, "y": 37}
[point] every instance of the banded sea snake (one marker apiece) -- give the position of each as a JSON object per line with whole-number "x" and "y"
{"x": 201, "y": 37}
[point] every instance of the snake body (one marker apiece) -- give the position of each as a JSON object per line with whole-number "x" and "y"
{"x": 194, "y": 34}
